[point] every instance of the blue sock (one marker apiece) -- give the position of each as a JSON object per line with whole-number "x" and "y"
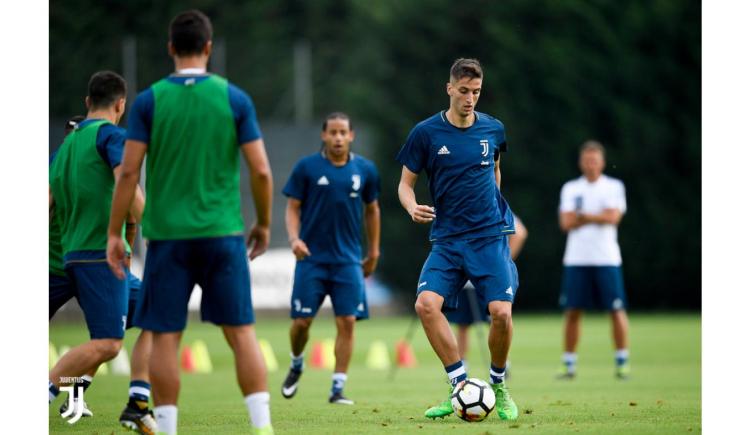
{"x": 139, "y": 391}
{"x": 53, "y": 391}
{"x": 298, "y": 362}
{"x": 456, "y": 372}
{"x": 497, "y": 375}
{"x": 337, "y": 386}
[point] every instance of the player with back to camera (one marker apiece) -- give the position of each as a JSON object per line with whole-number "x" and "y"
{"x": 327, "y": 191}
{"x": 82, "y": 176}
{"x": 194, "y": 125}
{"x": 459, "y": 149}
{"x": 591, "y": 207}
{"x": 136, "y": 414}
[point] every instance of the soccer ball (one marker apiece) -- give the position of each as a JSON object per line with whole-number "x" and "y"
{"x": 473, "y": 399}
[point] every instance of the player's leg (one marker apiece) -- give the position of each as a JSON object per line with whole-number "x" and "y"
{"x": 441, "y": 277}
{"x": 462, "y": 317}
{"x": 227, "y": 301}
{"x": 571, "y": 336}
{"x": 136, "y": 414}
{"x": 491, "y": 269}
{"x": 307, "y": 295}
{"x": 346, "y": 284}
{"x": 162, "y": 310}
{"x": 609, "y": 283}
{"x": 462, "y": 339}
{"x": 576, "y": 294}
{"x": 61, "y": 290}
{"x": 103, "y": 299}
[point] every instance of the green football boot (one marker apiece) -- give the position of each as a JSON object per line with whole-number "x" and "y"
{"x": 506, "y": 407}
{"x": 442, "y": 410}
{"x": 622, "y": 371}
{"x": 566, "y": 372}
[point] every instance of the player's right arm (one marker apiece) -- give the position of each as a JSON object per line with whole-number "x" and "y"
{"x": 422, "y": 214}
{"x": 261, "y": 185}
{"x": 293, "y": 219}
{"x": 127, "y": 175}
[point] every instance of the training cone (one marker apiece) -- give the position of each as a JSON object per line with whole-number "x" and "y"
{"x": 201, "y": 358}
{"x": 377, "y": 356}
{"x": 121, "y": 363}
{"x": 317, "y": 359}
{"x": 405, "y": 355}
{"x": 265, "y": 347}
{"x": 187, "y": 362}
{"x": 63, "y": 350}
{"x": 329, "y": 356}
{"x": 53, "y": 357}
{"x": 103, "y": 369}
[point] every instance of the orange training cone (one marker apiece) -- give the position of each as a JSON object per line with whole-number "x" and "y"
{"x": 405, "y": 355}
{"x": 317, "y": 356}
{"x": 187, "y": 361}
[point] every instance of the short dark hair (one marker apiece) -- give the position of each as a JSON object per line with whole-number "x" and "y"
{"x": 593, "y": 145}
{"x": 337, "y": 115}
{"x": 72, "y": 123}
{"x": 105, "y": 88}
{"x": 470, "y": 68}
{"x": 189, "y": 32}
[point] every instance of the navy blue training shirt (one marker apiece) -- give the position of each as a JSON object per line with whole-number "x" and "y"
{"x": 142, "y": 112}
{"x": 460, "y": 167}
{"x": 332, "y": 197}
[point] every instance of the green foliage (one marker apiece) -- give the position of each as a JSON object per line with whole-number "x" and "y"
{"x": 556, "y": 73}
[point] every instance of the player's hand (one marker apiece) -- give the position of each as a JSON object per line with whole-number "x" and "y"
{"x": 257, "y": 241}
{"x": 300, "y": 249}
{"x": 369, "y": 264}
{"x": 422, "y": 214}
{"x": 116, "y": 256}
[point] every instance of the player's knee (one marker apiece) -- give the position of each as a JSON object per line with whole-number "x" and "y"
{"x": 303, "y": 322}
{"x": 500, "y": 314}
{"x": 426, "y": 308}
{"x": 108, "y": 348}
{"x": 345, "y": 324}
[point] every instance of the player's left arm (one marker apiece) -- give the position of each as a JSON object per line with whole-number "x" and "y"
{"x": 372, "y": 229}
{"x": 122, "y": 199}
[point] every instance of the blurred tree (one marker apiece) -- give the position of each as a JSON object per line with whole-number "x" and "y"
{"x": 556, "y": 73}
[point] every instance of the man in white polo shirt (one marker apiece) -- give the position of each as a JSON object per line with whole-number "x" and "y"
{"x": 591, "y": 207}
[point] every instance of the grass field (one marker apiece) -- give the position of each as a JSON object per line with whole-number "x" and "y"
{"x": 662, "y": 397}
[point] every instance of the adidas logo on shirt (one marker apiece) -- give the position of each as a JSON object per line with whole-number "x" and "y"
{"x": 443, "y": 151}
{"x": 323, "y": 181}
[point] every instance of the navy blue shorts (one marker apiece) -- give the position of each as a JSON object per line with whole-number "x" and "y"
{"x": 344, "y": 283}
{"x": 589, "y": 287}
{"x": 219, "y": 265}
{"x": 102, "y": 297}
{"x": 61, "y": 291}
{"x": 464, "y": 314}
{"x": 486, "y": 262}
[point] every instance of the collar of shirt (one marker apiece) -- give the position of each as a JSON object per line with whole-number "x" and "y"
{"x": 191, "y": 71}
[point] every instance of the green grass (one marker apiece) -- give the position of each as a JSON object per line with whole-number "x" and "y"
{"x": 663, "y": 395}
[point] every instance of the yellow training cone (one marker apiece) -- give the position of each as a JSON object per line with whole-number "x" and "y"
{"x": 265, "y": 347}
{"x": 53, "y": 357}
{"x": 377, "y": 356}
{"x": 200, "y": 354}
{"x": 103, "y": 369}
{"x": 329, "y": 356}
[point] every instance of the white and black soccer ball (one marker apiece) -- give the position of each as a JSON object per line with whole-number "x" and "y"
{"x": 473, "y": 399}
